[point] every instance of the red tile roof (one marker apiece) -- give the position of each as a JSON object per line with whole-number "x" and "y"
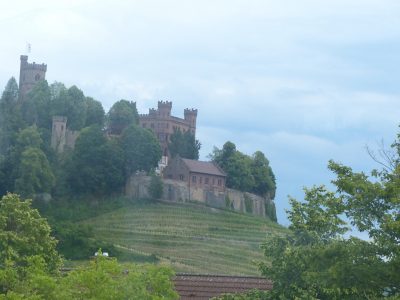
{"x": 202, "y": 287}
{"x": 204, "y": 167}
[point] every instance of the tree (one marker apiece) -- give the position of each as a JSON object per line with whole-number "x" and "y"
{"x": 34, "y": 174}
{"x": 96, "y": 165}
{"x": 95, "y": 113}
{"x": 70, "y": 103}
{"x": 36, "y": 108}
{"x": 141, "y": 148}
{"x": 10, "y": 116}
{"x": 105, "y": 279}
{"x": 155, "y": 187}
{"x": 318, "y": 259}
{"x": 184, "y": 144}
{"x": 121, "y": 115}
{"x": 264, "y": 178}
{"x": 25, "y": 243}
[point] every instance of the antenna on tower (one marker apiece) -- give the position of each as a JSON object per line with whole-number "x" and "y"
{"x": 28, "y": 48}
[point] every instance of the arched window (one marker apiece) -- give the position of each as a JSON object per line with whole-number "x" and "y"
{"x": 37, "y": 77}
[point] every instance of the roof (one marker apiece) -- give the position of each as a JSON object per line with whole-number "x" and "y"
{"x": 204, "y": 167}
{"x": 201, "y": 287}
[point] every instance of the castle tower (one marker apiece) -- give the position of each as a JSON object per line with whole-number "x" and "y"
{"x": 190, "y": 118}
{"x": 164, "y": 109}
{"x": 58, "y": 133}
{"x": 29, "y": 75}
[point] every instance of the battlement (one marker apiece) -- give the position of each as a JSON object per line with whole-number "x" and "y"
{"x": 190, "y": 111}
{"x": 152, "y": 111}
{"x": 31, "y": 66}
{"x": 165, "y": 104}
{"x": 59, "y": 119}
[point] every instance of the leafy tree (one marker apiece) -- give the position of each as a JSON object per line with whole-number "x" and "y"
{"x": 121, "y": 115}
{"x": 264, "y": 178}
{"x": 184, "y": 144}
{"x": 95, "y": 112}
{"x": 141, "y": 149}
{"x": 156, "y": 187}
{"x": 36, "y": 108}
{"x": 10, "y": 116}
{"x": 319, "y": 260}
{"x": 72, "y": 104}
{"x": 105, "y": 279}
{"x": 97, "y": 164}
{"x": 245, "y": 173}
{"x": 25, "y": 244}
{"x": 34, "y": 173}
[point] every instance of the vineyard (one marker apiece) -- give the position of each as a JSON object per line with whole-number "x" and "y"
{"x": 191, "y": 238}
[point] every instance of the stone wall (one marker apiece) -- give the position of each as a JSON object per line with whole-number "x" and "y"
{"x": 178, "y": 191}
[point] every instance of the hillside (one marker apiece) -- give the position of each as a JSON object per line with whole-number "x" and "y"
{"x": 192, "y": 238}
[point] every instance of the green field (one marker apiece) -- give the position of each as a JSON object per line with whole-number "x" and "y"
{"x": 191, "y": 238}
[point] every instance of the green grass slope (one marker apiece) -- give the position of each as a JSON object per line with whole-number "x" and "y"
{"x": 191, "y": 238}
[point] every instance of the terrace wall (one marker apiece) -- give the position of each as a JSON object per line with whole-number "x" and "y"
{"x": 179, "y": 191}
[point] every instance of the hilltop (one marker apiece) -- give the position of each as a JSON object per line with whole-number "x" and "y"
{"x": 191, "y": 238}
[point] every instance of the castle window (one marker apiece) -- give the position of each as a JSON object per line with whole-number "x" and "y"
{"x": 144, "y": 125}
{"x": 201, "y": 180}
{"x": 213, "y": 181}
{"x": 219, "y": 182}
{"x": 181, "y": 177}
{"x": 37, "y": 77}
{"x": 152, "y": 125}
{"x": 62, "y": 127}
{"x": 206, "y": 180}
{"x": 194, "y": 179}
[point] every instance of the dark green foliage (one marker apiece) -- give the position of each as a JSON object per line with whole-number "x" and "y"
{"x": 10, "y": 116}
{"x": 319, "y": 260}
{"x": 141, "y": 149}
{"x": 97, "y": 164}
{"x": 184, "y": 144}
{"x": 34, "y": 174}
{"x": 251, "y": 295}
{"x": 36, "y": 108}
{"x": 72, "y": 104}
{"x": 155, "y": 187}
{"x": 121, "y": 115}
{"x": 95, "y": 113}
{"x": 245, "y": 173}
{"x": 24, "y": 237}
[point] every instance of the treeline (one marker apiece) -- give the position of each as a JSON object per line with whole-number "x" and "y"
{"x": 246, "y": 173}
{"x": 110, "y": 147}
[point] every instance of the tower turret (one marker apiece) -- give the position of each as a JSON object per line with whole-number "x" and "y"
{"x": 58, "y": 133}
{"x": 164, "y": 108}
{"x": 29, "y": 75}
{"x": 190, "y": 118}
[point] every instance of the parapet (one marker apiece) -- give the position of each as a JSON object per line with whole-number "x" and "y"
{"x": 165, "y": 104}
{"x": 190, "y": 111}
{"x": 33, "y": 66}
{"x": 60, "y": 119}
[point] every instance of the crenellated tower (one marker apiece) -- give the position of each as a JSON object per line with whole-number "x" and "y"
{"x": 59, "y": 133}
{"x": 190, "y": 116}
{"x": 164, "y": 108}
{"x": 29, "y": 75}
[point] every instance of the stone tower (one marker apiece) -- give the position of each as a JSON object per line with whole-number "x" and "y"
{"x": 58, "y": 133}
{"x": 190, "y": 116}
{"x": 164, "y": 108}
{"x": 29, "y": 75}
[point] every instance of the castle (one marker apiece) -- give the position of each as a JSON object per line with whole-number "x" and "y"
{"x": 163, "y": 124}
{"x": 29, "y": 75}
{"x": 158, "y": 120}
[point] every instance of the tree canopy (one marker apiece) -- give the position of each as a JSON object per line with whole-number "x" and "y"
{"x": 121, "y": 115}
{"x": 320, "y": 259}
{"x": 184, "y": 144}
{"x": 245, "y": 173}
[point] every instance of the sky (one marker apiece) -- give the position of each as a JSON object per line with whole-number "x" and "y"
{"x": 302, "y": 81}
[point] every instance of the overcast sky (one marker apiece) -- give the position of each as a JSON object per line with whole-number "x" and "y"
{"x": 303, "y": 81}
